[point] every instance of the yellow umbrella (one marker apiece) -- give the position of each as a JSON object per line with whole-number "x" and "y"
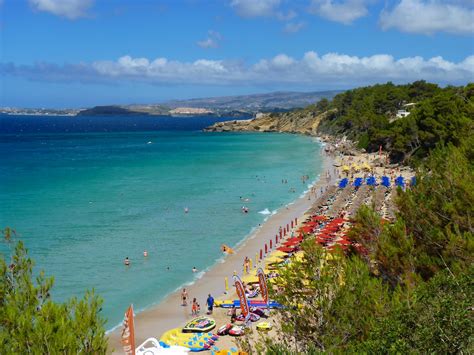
{"x": 356, "y": 167}
{"x": 277, "y": 253}
{"x": 345, "y": 168}
{"x": 250, "y": 279}
{"x": 273, "y": 259}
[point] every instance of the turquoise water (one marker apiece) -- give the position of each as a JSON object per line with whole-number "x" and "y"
{"x": 82, "y": 202}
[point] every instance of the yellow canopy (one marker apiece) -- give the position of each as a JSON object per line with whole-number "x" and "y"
{"x": 366, "y": 166}
{"x": 278, "y": 253}
{"x": 356, "y": 167}
{"x": 345, "y": 168}
{"x": 250, "y": 279}
{"x": 273, "y": 259}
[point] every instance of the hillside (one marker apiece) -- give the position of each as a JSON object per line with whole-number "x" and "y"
{"x": 234, "y": 106}
{"x": 408, "y": 121}
{"x": 257, "y": 102}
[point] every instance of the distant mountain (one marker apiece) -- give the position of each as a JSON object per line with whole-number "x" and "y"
{"x": 234, "y": 106}
{"x": 275, "y": 101}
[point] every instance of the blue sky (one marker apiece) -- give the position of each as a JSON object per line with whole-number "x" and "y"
{"x": 76, "y": 53}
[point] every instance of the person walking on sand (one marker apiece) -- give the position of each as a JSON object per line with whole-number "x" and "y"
{"x": 184, "y": 297}
{"x": 210, "y": 304}
{"x": 194, "y": 308}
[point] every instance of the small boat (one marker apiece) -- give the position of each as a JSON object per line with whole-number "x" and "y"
{"x": 193, "y": 341}
{"x": 226, "y": 249}
{"x": 237, "y": 331}
{"x": 199, "y": 325}
{"x": 264, "y": 326}
{"x": 151, "y": 346}
{"x": 251, "y": 303}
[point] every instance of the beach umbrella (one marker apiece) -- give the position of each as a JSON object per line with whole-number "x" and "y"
{"x": 385, "y": 181}
{"x": 343, "y": 183}
{"x": 277, "y": 254}
{"x": 274, "y": 259}
{"x": 345, "y": 168}
{"x": 306, "y": 229}
{"x": 287, "y": 249}
{"x": 371, "y": 181}
{"x": 400, "y": 181}
{"x": 250, "y": 279}
{"x": 318, "y": 218}
{"x": 358, "y": 182}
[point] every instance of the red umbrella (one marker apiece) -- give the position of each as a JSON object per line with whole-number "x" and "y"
{"x": 291, "y": 244}
{"x": 286, "y": 249}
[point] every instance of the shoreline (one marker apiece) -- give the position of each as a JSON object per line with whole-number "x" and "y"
{"x": 168, "y": 313}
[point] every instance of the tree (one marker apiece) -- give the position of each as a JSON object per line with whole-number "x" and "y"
{"x": 30, "y": 322}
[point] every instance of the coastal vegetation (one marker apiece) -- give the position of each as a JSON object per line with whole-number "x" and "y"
{"x": 408, "y": 287}
{"x": 32, "y": 323}
{"x": 369, "y": 116}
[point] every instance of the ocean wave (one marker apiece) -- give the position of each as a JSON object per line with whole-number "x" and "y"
{"x": 265, "y": 211}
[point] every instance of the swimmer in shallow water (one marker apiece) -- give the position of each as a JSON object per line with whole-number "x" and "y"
{"x": 126, "y": 261}
{"x": 194, "y": 269}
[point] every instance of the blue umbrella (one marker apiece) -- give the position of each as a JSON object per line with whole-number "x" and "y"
{"x": 371, "y": 181}
{"x": 400, "y": 181}
{"x": 385, "y": 181}
{"x": 358, "y": 182}
{"x": 343, "y": 183}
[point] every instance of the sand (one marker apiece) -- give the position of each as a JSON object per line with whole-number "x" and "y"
{"x": 170, "y": 313}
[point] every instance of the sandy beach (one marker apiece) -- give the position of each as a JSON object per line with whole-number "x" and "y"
{"x": 324, "y": 198}
{"x": 170, "y": 313}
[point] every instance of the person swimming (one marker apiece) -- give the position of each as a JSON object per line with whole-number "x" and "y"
{"x": 145, "y": 253}
{"x": 194, "y": 269}
{"x": 186, "y": 210}
{"x": 126, "y": 261}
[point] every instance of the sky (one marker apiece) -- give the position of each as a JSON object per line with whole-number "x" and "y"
{"x": 81, "y": 53}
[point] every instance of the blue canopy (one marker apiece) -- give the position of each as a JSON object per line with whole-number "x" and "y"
{"x": 371, "y": 181}
{"x": 343, "y": 183}
{"x": 358, "y": 182}
{"x": 413, "y": 181}
{"x": 400, "y": 181}
{"x": 385, "y": 181}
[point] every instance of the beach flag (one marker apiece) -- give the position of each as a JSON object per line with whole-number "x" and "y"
{"x": 128, "y": 332}
{"x": 239, "y": 288}
{"x": 262, "y": 281}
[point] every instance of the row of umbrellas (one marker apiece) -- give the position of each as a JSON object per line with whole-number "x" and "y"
{"x": 372, "y": 181}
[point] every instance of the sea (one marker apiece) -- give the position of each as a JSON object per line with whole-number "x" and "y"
{"x": 83, "y": 193}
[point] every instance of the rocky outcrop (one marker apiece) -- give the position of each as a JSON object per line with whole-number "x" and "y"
{"x": 299, "y": 121}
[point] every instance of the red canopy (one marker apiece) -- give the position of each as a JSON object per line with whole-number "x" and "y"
{"x": 286, "y": 249}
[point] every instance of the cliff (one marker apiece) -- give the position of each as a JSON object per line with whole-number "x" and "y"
{"x": 300, "y": 121}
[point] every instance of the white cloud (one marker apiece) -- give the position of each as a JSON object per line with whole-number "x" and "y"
{"x": 344, "y": 12}
{"x": 328, "y": 70}
{"x": 430, "y": 16}
{"x": 255, "y": 8}
{"x": 212, "y": 40}
{"x": 293, "y": 27}
{"x": 71, "y": 9}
